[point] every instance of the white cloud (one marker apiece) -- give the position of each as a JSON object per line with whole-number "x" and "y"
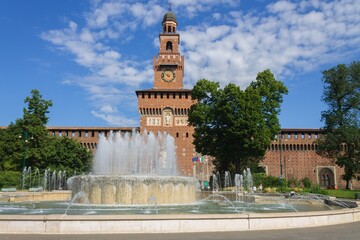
{"x": 283, "y": 6}
{"x": 108, "y": 109}
{"x": 117, "y": 120}
{"x": 288, "y": 37}
{"x": 194, "y": 7}
{"x": 291, "y": 38}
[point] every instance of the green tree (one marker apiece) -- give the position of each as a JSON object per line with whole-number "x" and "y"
{"x": 27, "y": 143}
{"x": 236, "y": 126}
{"x": 341, "y": 136}
{"x": 67, "y": 154}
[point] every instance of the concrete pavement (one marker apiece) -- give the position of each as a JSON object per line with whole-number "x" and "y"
{"x": 349, "y": 231}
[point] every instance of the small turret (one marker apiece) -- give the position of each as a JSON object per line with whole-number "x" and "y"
{"x": 169, "y": 23}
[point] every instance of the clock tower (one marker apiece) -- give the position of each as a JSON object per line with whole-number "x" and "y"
{"x": 165, "y": 107}
{"x": 169, "y": 64}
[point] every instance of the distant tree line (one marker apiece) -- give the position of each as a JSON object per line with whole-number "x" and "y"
{"x": 26, "y": 143}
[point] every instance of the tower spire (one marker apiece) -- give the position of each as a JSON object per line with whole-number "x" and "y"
{"x": 170, "y": 5}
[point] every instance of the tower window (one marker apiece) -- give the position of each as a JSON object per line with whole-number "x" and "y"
{"x": 169, "y": 46}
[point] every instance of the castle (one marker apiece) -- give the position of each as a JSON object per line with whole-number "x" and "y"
{"x": 165, "y": 107}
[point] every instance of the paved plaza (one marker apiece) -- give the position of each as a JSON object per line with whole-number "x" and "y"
{"x": 349, "y": 231}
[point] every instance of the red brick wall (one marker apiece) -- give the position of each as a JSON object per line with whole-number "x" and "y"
{"x": 299, "y": 158}
{"x": 154, "y": 106}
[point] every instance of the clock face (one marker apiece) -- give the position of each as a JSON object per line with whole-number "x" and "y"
{"x": 168, "y": 75}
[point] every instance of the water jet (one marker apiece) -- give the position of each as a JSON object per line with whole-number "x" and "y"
{"x": 128, "y": 168}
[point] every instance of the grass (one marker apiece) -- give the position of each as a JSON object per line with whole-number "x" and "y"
{"x": 338, "y": 193}
{"x": 349, "y": 194}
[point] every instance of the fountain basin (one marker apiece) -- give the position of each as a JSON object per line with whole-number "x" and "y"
{"x": 65, "y": 224}
{"x": 133, "y": 189}
{"x": 26, "y": 197}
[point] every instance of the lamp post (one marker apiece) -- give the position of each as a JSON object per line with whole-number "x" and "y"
{"x": 281, "y": 177}
{"x": 24, "y": 159}
{"x": 281, "y": 165}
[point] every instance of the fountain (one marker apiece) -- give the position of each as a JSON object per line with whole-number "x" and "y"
{"x": 129, "y": 168}
{"x": 165, "y": 202}
{"x": 219, "y": 211}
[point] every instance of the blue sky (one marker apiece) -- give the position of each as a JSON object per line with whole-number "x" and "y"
{"x": 89, "y": 57}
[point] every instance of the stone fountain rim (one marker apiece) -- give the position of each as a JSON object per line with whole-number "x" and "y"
{"x": 137, "y": 177}
{"x": 97, "y": 224}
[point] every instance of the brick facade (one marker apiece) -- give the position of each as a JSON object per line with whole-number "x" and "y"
{"x": 87, "y": 136}
{"x": 294, "y": 152}
{"x": 165, "y": 107}
{"x": 297, "y": 152}
{"x": 166, "y": 111}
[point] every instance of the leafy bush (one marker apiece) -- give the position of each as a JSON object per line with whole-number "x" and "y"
{"x": 270, "y": 190}
{"x": 294, "y": 182}
{"x": 306, "y": 182}
{"x": 10, "y": 179}
{"x": 267, "y": 181}
{"x": 297, "y": 189}
{"x": 316, "y": 189}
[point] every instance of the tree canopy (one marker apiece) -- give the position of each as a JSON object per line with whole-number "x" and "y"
{"x": 236, "y": 126}
{"x": 26, "y": 143}
{"x": 341, "y": 137}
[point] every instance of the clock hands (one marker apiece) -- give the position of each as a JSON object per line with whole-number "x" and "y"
{"x": 168, "y": 75}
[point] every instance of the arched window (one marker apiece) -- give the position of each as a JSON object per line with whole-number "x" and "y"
{"x": 326, "y": 178}
{"x": 169, "y": 46}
